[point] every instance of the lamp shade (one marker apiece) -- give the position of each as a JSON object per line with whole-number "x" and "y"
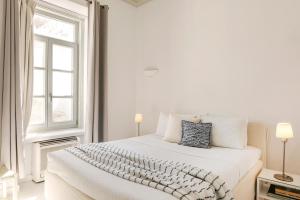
{"x": 138, "y": 118}
{"x": 284, "y": 131}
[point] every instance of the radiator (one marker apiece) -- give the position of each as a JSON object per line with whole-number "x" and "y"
{"x": 40, "y": 150}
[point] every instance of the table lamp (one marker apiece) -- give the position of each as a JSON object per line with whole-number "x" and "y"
{"x": 284, "y": 131}
{"x": 138, "y": 120}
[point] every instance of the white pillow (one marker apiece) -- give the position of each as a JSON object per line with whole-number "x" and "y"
{"x": 174, "y": 129}
{"x": 162, "y": 124}
{"x": 227, "y": 131}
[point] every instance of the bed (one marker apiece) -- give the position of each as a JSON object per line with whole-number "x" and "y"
{"x": 69, "y": 177}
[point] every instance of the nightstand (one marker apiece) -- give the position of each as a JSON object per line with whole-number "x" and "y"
{"x": 265, "y": 179}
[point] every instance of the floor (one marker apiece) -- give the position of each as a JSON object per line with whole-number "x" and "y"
{"x": 31, "y": 191}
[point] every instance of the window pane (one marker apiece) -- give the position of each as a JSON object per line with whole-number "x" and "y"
{"x": 62, "y": 109}
{"x": 39, "y": 82}
{"x": 62, "y": 58}
{"x": 55, "y": 28}
{"x": 62, "y": 84}
{"x": 38, "y": 111}
{"x": 39, "y": 53}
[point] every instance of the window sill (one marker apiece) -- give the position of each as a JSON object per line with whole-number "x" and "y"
{"x": 40, "y": 136}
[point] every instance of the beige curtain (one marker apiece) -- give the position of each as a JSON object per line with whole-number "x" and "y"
{"x": 12, "y": 77}
{"x": 96, "y": 110}
{"x": 27, "y": 8}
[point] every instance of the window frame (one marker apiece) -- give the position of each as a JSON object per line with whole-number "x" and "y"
{"x": 78, "y": 21}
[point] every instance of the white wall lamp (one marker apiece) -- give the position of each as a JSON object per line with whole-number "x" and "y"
{"x": 151, "y": 71}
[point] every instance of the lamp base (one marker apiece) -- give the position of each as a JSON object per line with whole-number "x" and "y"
{"x": 283, "y": 177}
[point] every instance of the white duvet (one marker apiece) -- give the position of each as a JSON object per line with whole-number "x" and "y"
{"x": 230, "y": 164}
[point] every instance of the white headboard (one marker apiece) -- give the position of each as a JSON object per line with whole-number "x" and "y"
{"x": 257, "y": 137}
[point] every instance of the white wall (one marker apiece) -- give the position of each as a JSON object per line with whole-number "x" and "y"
{"x": 236, "y": 57}
{"x": 121, "y": 68}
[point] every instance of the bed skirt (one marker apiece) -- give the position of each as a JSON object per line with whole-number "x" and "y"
{"x": 57, "y": 189}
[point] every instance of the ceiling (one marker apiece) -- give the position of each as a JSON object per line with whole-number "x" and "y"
{"x": 136, "y": 2}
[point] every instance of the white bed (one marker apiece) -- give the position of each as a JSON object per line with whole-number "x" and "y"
{"x": 69, "y": 177}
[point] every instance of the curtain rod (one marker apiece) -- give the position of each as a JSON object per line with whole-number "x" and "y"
{"x": 91, "y": 1}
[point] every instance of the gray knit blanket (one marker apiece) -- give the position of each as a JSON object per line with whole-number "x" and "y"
{"x": 178, "y": 179}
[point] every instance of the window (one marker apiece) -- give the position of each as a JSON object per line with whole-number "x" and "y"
{"x": 56, "y": 64}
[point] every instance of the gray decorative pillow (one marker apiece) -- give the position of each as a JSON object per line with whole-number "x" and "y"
{"x": 196, "y": 134}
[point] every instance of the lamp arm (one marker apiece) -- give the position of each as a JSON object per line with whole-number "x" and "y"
{"x": 139, "y": 128}
{"x": 283, "y": 160}
{"x": 283, "y": 176}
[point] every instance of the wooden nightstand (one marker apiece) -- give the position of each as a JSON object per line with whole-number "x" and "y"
{"x": 265, "y": 178}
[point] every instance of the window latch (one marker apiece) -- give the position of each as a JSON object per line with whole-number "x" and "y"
{"x": 50, "y": 97}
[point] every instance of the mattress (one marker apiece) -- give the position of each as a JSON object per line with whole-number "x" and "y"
{"x": 230, "y": 164}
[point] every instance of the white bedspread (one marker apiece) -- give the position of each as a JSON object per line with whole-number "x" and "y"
{"x": 230, "y": 164}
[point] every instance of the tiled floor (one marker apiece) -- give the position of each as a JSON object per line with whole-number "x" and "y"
{"x": 31, "y": 191}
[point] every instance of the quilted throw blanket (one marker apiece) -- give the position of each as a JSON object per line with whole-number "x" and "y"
{"x": 178, "y": 179}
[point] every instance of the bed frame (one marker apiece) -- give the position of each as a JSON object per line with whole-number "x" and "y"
{"x": 56, "y": 188}
{"x": 258, "y": 137}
